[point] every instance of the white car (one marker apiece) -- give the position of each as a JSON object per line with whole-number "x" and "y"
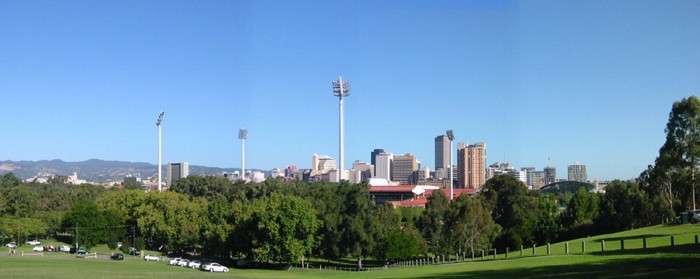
{"x": 175, "y": 261}
{"x": 38, "y": 249}
{"x": 11, "y": 245}
{"x": 195, "y": 264}
{"x": 34, "y": 242}
{"x": 64, "y": 248}
{"x": 211, "y": 267}
{"x": 183, "y": 262}
{"x": 151, "y": 258}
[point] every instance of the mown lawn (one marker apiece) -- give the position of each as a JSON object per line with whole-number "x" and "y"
{"x": 658, "y": 261}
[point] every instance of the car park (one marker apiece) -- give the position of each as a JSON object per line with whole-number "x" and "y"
{"x": 34, "y": 242}
{"x": 212, "y": 267}
{"x": 195, "y": 264}
{"x": 38, "y": 249}
{"x": 117, "y": 257}
{"x": 175, "y": 261}
{"x": 183, "y": 262}
{"x": 151, "y": 258}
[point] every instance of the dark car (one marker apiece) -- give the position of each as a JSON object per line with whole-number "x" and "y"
{"x": 81, "y": 251}
{"x": 118, "y": 257}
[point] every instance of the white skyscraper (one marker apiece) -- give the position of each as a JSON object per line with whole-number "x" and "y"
{"x": 383, "y": 167}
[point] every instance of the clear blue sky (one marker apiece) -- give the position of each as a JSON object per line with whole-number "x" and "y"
{"x": 586, "y": 81}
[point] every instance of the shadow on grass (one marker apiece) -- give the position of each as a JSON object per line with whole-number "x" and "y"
{"x": 678, "y": 249}
{"x": 668, "y": 267}
{"x": 635, "y": 237}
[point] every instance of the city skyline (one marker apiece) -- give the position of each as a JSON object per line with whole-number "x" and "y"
{"x": 543, "y": 84}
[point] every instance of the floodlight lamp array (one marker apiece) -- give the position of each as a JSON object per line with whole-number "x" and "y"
{"x": 341, "y": 87}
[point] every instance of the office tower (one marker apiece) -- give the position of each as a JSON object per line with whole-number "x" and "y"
{"x": 535, "y": 179}
{"x": 550, "y": 175}
{"x": 383, "y": 166}
{"x": 442, "y": 156}
{"x": 176, "y": 171}
{"x": 404, "y": 168}
{"x": 577, "y": 172}
{"x": 373, "y": 158}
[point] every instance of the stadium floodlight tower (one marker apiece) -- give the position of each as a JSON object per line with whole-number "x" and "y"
{"x": 451, "y": 137}
{"x": 341, "y": 88}
{"x": 160, "y": 150}
{"x": 242, "y": 135}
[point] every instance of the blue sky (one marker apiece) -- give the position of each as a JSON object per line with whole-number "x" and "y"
{"x": 541, "y": 82}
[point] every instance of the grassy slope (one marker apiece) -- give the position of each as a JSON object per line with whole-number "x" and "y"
{"x": 682, "y": 261}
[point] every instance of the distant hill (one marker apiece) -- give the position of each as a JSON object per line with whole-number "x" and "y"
{"x": 96, "y": 170}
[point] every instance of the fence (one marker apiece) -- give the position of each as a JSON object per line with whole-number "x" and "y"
{"x": 610, "y": 245}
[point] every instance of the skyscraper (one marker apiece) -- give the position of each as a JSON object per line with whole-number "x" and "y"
{"x": 176, "y": 171}
{"x": 404, "y": 168}
{"x": 373, "y": 157}
{"x": 442, "y": 156}
{"x": 471, "y": 165}
{"x": 383, "y": 167}
{"x": 577, "y": 172}
{"x": 550, "y": 175}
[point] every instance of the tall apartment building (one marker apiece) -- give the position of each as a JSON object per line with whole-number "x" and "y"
{"x": 382, "y": 169}
{"x": 373, "y": 158}
{"x": 577, "y": 172}
{"x": 442, "y": 156}
{"x": 471, "y": 165}
{"x": 404, "y": 168}
{"x": 550, "y": 175}
{"x": 176, "y": 171}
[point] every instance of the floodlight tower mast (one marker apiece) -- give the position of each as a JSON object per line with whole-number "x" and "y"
{"x": 242, "y": 135}
{"x": 160, "y": 151}
{"x": 451, "y": 136}
{"x": 341, "y": 88}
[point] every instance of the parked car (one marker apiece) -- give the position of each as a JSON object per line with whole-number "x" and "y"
{"x": 694, "y": 216}
{"x": 183, "y": 262}
{"x": 11, "y": 245}
{"x": 34, "y": 242}
{"x": 211, "y": 267}
{"x": 38, "y": 249}
{"x": 64, "y": 248}
{"x": 81, "y": 251}
{"x": 151, "y": 258}
{"x": 134, "y": 251}
{"x": 117, "y": 257}
{"x": 195, "y": 264}
{"x": 175, "y": 261}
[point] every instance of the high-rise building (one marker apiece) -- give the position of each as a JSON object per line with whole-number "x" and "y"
{"x": 373, "y": 158}
{"x": 535, "y": 179}
{"x": 577, "y": 172}
{"x": 404, "y": 168}
{"x": 471, "y": 165}
{"x": 176, "y": 171}
{"x": 366, "y": 171}
{"x": 550, "y": 175}
{"x": 442, "y": 156}
{"x": 322, "y": 164}
{"x": 383, "y": 165}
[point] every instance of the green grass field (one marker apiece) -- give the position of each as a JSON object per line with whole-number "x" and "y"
{"x": 658, "y": 261}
